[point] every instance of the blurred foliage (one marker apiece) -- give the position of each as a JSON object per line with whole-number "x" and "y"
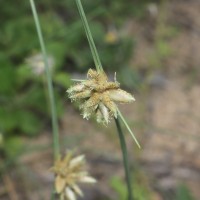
{"x": 183, "y": 193}
{"x": 163, "y": 32}
{"x": 129, "y": 77}
{"x": 141, "y": 190}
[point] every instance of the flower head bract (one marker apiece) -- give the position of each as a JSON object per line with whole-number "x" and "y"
{"x": 98, "y": 95}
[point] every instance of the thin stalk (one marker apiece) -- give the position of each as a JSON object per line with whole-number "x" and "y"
{"x": 95, "y": 54}
{"x": 125, "y": 158}
{"x": 49, "y": 82}
{"x": 128, "y": 128}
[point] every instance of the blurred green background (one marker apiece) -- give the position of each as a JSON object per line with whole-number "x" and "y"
{"x": 153, "y": 47}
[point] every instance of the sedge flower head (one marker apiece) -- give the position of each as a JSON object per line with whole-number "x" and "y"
{"x": 69, "y": 171}
{"x": 98, "y": 95}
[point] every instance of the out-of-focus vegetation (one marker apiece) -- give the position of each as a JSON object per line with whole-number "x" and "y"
{"x": 183, "y": 193}
{"x": 142, "y": 191}
{"x": 24, "y": 108}
{"x": 23, "y": 95}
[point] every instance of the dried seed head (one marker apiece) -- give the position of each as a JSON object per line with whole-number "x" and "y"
{"x": 98, "y": 96}
{"x": 68, "y": 172}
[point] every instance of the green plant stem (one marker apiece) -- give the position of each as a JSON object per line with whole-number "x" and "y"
{"x": 49, "y": 82}
{"x": 95, "y": 55}
{"x": 125, "y": 158}
{"x": 128, "y": 128}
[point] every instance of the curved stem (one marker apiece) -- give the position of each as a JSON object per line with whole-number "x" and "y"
{"x": 49, "y": 82}
{"x": 125, "y": 159}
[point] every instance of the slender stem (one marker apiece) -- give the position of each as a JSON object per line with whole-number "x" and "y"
{"x": 125, "y": 158}
{"x": 49, "y": 82}
{"x": 128, "y": 128}
{"x": 89, "y": 37}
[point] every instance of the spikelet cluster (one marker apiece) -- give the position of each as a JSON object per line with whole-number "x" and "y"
{"x": 97, "y": 96}
{"x": 69, "y": 171}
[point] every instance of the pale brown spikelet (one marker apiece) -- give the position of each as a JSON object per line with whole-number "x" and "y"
{"x": 77, "y": 190}
{"x": 104, "y": 112}
{"x": 70, "y": 195}
{"x": 92, "y": 73}
{"x": 109, "y": 104}
{"x": 99, "y": 117}
{"x": 76, "y": 88}
{"x": 59, "y": 184}
{"x": 121, "y": 96}
{"x": 93, "y": 101}
{"x": 98, "y": 96}
{"x": 81, "y": 95}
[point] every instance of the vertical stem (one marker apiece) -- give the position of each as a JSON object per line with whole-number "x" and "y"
{"x": 89, "y": 37}
{"x": 49, "y": 82}
{"x": 125, "y": 158}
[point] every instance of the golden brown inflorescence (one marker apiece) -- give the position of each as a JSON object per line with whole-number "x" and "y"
{"x": 98, "y": 96}
{"x": 68, "y": 172}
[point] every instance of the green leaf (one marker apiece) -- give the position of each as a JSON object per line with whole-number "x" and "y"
{"x": 7, "y": 77}
{"x": 119, "y": 186}
{"x": 62, "y": 79}
{"x": 30, "y": 123}
{"x": 183, "y": 193}
{"x": 8, "y": 120}
{"x": 13, "y": 146}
